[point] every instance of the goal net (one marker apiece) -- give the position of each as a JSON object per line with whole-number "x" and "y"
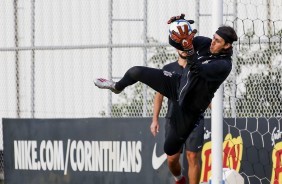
{"x": 50, "y": 51}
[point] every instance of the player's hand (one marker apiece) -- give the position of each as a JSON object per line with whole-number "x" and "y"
{"x": 184, "y": 38}
{"x": 174, "y": 18}
{"x": 154, "y": 127}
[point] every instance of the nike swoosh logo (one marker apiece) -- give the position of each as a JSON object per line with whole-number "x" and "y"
{"x": 157, "y": 161}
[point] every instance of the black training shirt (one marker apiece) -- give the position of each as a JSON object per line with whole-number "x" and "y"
{"x": 207, "y": 73}
{"x": 173, "y": 67}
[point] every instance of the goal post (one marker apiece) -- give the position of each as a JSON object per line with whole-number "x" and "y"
{"x": 217, "y": 107}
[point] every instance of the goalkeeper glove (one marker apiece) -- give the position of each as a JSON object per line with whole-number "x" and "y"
{"x": 184, "y": 38}
{"x": 182, "y": 41}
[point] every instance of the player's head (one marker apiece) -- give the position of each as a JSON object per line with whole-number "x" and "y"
{"x": 223, "y": 39}
{"x": 182, "y": 54}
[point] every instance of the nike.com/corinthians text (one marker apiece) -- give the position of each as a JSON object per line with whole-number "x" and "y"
{"x": 100, "y": 156}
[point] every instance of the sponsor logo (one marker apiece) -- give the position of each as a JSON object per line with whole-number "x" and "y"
{"x": 232, "y": 156}
{"x": 157, "y": 161}
{"x": 185, "y": 43}
{"x": 166, "y": 73}
{"x": 207, "y": 134}
{"x": 275, "y": 135}
{"x": 206, "y": 62}
{"x": 276, "y": 176}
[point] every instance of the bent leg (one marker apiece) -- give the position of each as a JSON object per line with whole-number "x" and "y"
{"x": 174, "y": 164}
{"x": 162, "y": 81}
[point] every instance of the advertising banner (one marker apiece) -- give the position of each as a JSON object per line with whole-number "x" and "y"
{"x": 102, "y": 151}
{"x": 123, "y": 150}
{"x": 251, "y": 146}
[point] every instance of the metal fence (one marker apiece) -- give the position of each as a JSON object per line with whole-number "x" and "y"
{"x": 50, "y": 52}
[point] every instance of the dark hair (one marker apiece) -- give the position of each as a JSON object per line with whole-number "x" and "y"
{"x": 227, "y": 33}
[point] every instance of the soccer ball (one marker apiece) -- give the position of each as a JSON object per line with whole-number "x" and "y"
{"x": 181, "y": 23}
{"x": 230, "y": 176}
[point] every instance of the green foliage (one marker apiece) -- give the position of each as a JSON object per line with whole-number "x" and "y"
{"x": 132, "y": 105}
{"x": 263, "y": 96}
{"x": 263, "y": 90}
{"x": 161, "y": 55}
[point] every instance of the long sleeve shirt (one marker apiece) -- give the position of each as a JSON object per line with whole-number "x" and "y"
{"x": 207, "y": 72}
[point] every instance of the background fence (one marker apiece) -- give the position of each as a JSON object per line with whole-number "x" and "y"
{"x": 50, "y": 52}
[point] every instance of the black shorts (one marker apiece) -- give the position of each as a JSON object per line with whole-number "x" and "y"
{"x": 183, "y": 119}
{"x": 195, "y": 140}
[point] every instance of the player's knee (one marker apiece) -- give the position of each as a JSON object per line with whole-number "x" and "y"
{"x": 135, "y": 72}
{"x": 192, "y": 157}
{"x": 173, "y": 160}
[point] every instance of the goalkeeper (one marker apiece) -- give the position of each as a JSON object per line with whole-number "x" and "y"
{"x": 209, "y": 65}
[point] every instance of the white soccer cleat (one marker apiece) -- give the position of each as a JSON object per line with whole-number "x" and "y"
{"x": 106, "y": 84}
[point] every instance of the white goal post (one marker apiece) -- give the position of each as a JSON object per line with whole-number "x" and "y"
{"x": 217, "y": 107}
